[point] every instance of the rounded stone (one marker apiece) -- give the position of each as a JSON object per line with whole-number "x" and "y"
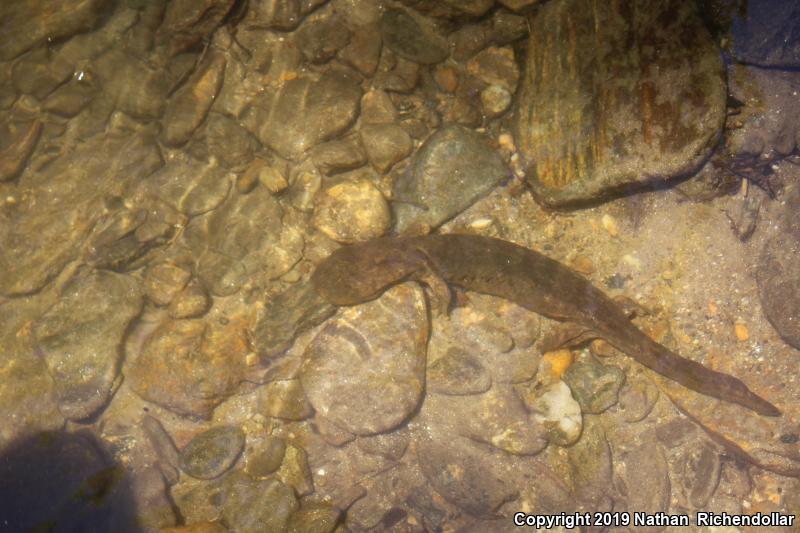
{"x": 213, "y": 452}
{"x": 352, "y": 211}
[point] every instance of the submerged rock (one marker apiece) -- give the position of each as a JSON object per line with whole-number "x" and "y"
{"x": 27, "y": 24}
{"x": 190, "y": 366}
{"x": 211, "y": 453}
{"x": 81, "y": 338}
{"x": 454, "y": 168}
{"x": 616, "y": 96}
{"x": 778, "y": 274}
{"x": 365, "y": 370}
{"x": 304, "y": 112}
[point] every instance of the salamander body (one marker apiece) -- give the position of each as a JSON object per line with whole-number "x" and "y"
{"x": 361, "y": 272}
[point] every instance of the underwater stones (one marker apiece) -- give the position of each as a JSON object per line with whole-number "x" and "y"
{"x": 80, "y": 338}
{"x": 212, "y": 452}
{"x": 256, "y": 505}
{"x": 27, "y": 24}
{"x": 264, "y": 455}
{"x": 559, "y": 413}
{"x": 284, "y": 399}
{"x": 26, "y": 390}
{"x": 488, "y": 341}
{"x": 597, "y": 114}
{"x": 337, "y": 156}
{"x": 287, "y": 314}
{"x": 451, "y": 170}
{"x": 365, "y": 370}
{"x": 190, "y": 366}
{"x": 188, "y": 186}
{"x": 14, "y": 155}
{"x": 778, "y": 273}
{"x": 412, "y": 38}
{"x": 385, "y": 144}
{"x": 223, "y": 138}
{"x": 766, "y": 124}
{"x": 243, "y": 241}
{"x": 497, "y": 417}
{"x": 187, "y": 22}
{"x": 163, "y": 281}
{"x": 304, "y": 112}
{"x": 646, "y": 478}
{"x": 187, "y": 108}
{"x": 352, "y": 211}
{"x": 458, "y": 373}
{"x": 321, "y": 36}
{"x": 596, "y": 387}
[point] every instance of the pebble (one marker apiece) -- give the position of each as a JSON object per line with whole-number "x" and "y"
{"x": 558, "y": 412}
{"x": 337, "y": 156}
{"x": 596, "y": 387}
{"x": 609, "y": 224}
{"x": 213, "y": 452}
{"x": 496, "y": 66}
{"x": 314, "y": 517}
{"x": 192, "y": 302}
{"x": 777, "y": 273}
{"x": 294, "y": 471}
{"x": 264, "y": 455}
{"x": 163, "y": 281}
{"x": 646, "y": 478}
{"x": 15, "y": 154}
{"x": 446, "y": 78}
{"x": 287, "y": 314}
{"x": 190, "y": 104}
{"x": 557, "y": 362}
{"x": 385, "y": 144}
{"x": 186, "y": 23}
{"x": 451, "y": 170}
{"x": 321, "y": 36}
{"x": 284, "y": 399}
{"x": 251, "y": 505}
{"x": 572, "y": 151}
{"x": 189, "y": 366}
{"x": 391, "y": 446}
{"x": 741, "y": 331}
{"x": 352, "y": 211}
{"x": 412, "y": 38}
{"x": 457, "y": 373}
{"x": 304, "y": 112}
{"x": 495, "y": 100}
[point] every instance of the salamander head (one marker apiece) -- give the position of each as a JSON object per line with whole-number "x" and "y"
{"x": 361, "y": 272}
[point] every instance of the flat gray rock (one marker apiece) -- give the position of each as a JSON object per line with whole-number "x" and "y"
{"x": 615, "y": 97}
{"x": 451, "y": 170}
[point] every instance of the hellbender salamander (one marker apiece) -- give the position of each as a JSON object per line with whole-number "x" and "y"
{"x": 361, "y": 272}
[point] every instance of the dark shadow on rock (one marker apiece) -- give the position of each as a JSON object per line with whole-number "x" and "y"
{"x": 58, "y": 481}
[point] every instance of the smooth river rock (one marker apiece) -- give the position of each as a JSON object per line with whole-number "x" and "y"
{"x": 450, "y": 171}
{"x": 365, "y": 371}
{"x": 616, "y": 95}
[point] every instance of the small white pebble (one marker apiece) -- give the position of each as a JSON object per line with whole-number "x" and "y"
{"x": 481, "y": 223}
{"x": 632, "y": 261}
{"x": 610, "y": 225}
